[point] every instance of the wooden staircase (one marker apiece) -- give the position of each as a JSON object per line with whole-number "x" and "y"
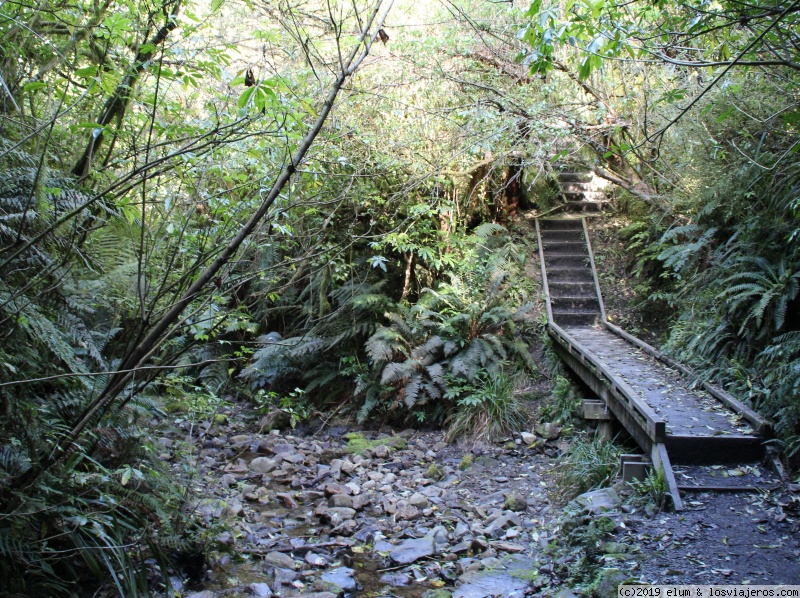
{"x": 672, "y": 417}
{"x": 580, "y": 190}
{"x": 573, "y": 293}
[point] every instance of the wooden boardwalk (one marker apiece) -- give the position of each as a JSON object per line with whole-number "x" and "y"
{"x": 673, "y": 419}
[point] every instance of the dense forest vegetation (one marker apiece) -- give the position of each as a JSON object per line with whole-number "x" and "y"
{"x": 315, "y": 206}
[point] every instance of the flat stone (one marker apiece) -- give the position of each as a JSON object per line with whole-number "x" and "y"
{"x": 598, "y": 501}
{"x": 408, "y": 513}
{"x": 413, "y": 550}
{"x": 418, "y": 500}
{"x": 341, "y": 500}
{"x": 548, "y": 431}
{"x": 341, "y": 577}
{"x": 343, "y": 512}
{"x": 528, "y": 438}
{"x": 263, "y": 465}
{"x": 260, "y": 590}
{"x": 280, "y": 560}
{"x": 398, "y": 579}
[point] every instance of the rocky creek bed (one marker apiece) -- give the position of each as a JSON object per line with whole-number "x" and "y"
{"x": 404, "y": 514}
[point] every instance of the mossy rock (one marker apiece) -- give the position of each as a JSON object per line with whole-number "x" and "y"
{"x": 437, "y": 594}
{"x": 515, "y": 502}
{"x": 434, "y": 472}
{"x": 466, "y": 462}
{"x": 607, "y": 582}
{"x": 356, "y": 443}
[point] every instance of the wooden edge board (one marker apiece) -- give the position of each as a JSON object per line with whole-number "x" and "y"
{"x": 633, "y": 422}
{"x": 594, "y": 271}
{"x": 542, "y": 267}
{"x": 655, "y": 425}
{"x": 596, "y": 409}
{"x": 760, "y": 424}
{"x": 727, "y": 488}
{"x": 660, "y": 459}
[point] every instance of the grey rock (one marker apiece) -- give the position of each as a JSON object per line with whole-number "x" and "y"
{"x": 281, "y": 560}
{"x": 343, "y": 512}
{"x": 413, "y": 550}
{"x": 263, "y": 465}
{"x": 598, "y": 501}
{"x": 548, "y": 431}
{"x": 341, "y": 500}
{"x": 528, "y": 438}
{"x": 397, "y": 579}
{"x": 418, "y": 500}
{"x": 341, "y": 577}
{"x": 260, "y": 590}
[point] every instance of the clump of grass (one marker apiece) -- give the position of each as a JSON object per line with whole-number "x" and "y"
{"x": 466, "y": 462}
{"x": 356, "y": 443}
{"x": 563, "y": 404}
{"x": 488, "y": 413}
{"x": 590, "y": 463}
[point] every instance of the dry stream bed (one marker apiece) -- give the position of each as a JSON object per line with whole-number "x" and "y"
{"x": 402, "y": 514}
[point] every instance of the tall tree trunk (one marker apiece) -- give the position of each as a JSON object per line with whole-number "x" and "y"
{"x": 117, "y": 104}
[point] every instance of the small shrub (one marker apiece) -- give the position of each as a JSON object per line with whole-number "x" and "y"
{"x": 651, "y": 489}
{"x": 466, "y": 462}
{"x": 563, "y": 404}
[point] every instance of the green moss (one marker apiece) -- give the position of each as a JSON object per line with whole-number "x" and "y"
{"x": 356, "y": 443}
{"x": 434, "y": 472}
{"x": 466, "y": 462}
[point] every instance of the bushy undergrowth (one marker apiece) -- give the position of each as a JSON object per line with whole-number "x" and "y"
{"x": 417, "y": 361}
{"x": 731, "y": 275}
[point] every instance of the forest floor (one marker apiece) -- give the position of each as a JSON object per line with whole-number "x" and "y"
{"x": 404, "y": 514}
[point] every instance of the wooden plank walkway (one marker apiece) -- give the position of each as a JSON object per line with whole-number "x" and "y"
{"x": 672, "y": 418}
